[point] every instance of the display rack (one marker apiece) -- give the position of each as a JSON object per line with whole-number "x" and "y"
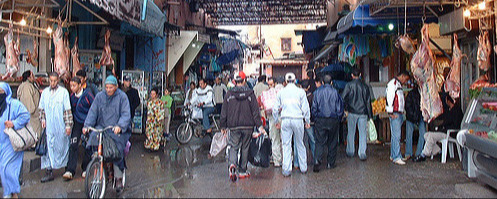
{"x": 158, "y": 79}
{"x": 138, "y": 82}
{"x": 94, "y": 72}
{"x": 480, "y": 122}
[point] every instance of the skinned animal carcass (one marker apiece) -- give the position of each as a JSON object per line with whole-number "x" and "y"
{"x": 61, "y": 62}
{"x": 406, "y": 43}
{"x": 33, "y": 57}
{"x": 12, "y": 54}
{"x": 76, "y": 66}
{"x": 483, "y": 54}
{"x": 106, "y": 58}
{"x": 422, "y": 69}
{"x": 452, "y": 84}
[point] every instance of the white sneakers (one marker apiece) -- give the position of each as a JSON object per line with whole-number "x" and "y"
{"x": 83, "y": 174}
{"x": 67, "y": 175}
{"x": 399, "y": 162}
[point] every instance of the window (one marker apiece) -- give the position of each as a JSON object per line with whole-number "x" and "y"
{"x": 286, "y": 44}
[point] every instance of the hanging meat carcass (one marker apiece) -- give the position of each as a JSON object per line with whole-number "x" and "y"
{"x": 11, "y": 54}
{"x": 33, "y": 57}
{"x": 406, "y": 43}
{"x": 76, "y": 66}
{"x": 484, "y": 49}
{"x": 422, "y": 69}
{"x": 61, "y": 63}
{"x": 106, "y": 58}
{"x": 452, "y": 84}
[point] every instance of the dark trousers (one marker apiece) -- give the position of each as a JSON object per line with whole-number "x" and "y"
{"x": 239, "y": 139}
{"x": 218, "y": 108}
{"x": 326, "y": 132}
{"x": 73, "y": 149}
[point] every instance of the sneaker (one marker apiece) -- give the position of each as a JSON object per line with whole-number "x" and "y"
{"x": 286, "y": 173}
{"x": 243, "y": 175}
{"x": 406, "y": 158}
{"x": 67, "y": 176}
{"x": 419, "y": 158}
{"x": 277, "y": 164}
{"x": 83, "y": 174}
{"x": 399, "y": 162}
{"x": 232, "y": 172}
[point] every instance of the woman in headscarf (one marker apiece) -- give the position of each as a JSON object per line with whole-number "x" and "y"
{"x": 13, "y": 114}
{"x": 155, "y": 121}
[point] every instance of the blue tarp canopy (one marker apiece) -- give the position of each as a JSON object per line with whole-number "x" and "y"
{"x": 359, "y": 21}
{"x": 312, "y": 40}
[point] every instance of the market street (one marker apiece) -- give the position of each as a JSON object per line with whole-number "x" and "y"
{"x": 186, "y": 172}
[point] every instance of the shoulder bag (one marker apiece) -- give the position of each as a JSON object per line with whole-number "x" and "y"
{"x": 21, "y": 139}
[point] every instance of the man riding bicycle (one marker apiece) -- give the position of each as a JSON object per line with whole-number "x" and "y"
{"x": 111, "y": 108}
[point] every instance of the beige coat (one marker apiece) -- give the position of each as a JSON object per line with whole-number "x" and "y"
{"x": 30, "y": 97}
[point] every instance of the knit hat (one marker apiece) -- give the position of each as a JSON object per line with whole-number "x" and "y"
{"x": 111, "y": 80}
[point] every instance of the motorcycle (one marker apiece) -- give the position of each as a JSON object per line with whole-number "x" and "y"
{"x": 192, "y": 126}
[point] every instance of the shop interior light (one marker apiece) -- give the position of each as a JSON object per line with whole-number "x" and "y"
{"x": 23, "y": 22}
{"x": 467, "y": 13}
{"x": 49, "y": 30}
{"x": 390, "y": 27}
{"x": 193, "y": 45}
{"x": 482, "y": 5}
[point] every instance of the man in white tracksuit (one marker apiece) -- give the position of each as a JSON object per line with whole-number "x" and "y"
{"x": 293, "y": 108}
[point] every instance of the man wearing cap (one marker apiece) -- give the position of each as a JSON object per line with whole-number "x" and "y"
{"x": 132, "y": 93}
{"x": 111, "y": 108}
{"x": 240, "y": 114}
{"x": 292, "y": 108}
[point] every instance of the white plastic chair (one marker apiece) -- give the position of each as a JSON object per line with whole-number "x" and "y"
{"x": 449, "y": 142}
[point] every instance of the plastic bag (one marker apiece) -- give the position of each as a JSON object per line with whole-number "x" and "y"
{"x": 197, "y": 113}
{"x": 219, "y": 142}
{"x": 260, "y": 151}
{"x": 41, "y": 145}
{"x": 110, "y": 151}
{"x": 372, "y": 134}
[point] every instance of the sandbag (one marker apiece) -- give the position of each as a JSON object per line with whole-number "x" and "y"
{"x": 260, "y": 151}
{"x": 219, "y": 142}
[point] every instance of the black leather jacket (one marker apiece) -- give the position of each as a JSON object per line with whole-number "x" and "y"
{"x": 357, "y": 98}
{"x": 327, "y": 103}
{"x": 413, "y": 107}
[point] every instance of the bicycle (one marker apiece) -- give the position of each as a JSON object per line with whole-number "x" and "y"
{"x": 95, "y": 181}
{"x": 192, "y": 125}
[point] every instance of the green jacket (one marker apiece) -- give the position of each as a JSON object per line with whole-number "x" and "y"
{"x": 168, "y": 101}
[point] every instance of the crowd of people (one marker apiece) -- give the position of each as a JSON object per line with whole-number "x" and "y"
{"x": 292, "y": 108}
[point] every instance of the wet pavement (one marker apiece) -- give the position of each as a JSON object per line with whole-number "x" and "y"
{"x": 185, "y": 171}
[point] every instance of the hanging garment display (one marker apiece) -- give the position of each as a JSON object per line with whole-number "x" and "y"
{"x": 422, "y": 70}
{"x": 227, "y": 58}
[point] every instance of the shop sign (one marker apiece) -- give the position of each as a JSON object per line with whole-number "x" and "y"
{"x": 125, "y": 10}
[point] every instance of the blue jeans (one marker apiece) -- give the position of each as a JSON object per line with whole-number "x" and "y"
{"x": 312, "y": 146}
{"x": 421, "y": 140}
{"x": 361, "y": 122}
{"x": 396, "y": 130}
{"x": 206, "y": 111}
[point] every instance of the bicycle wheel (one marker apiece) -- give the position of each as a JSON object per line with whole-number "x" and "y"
{"x": 184, "y": 133}
{"x": 95, "y": 181}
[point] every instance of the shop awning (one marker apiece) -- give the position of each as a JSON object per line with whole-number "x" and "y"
{"x": 356, "y": 21}
{"x": 312, "y": 40}
{"x": 191, "y": 53}
{"x": 149, "y": 18}
{"x": 330, "y": 36}
{"x": 178, "y": 46}
{"x": 324, "y": 52}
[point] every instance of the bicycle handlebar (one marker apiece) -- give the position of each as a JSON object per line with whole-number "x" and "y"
{"x": 100, "y": 130}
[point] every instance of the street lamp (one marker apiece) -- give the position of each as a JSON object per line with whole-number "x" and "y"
{"x": 49, "y": 30}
